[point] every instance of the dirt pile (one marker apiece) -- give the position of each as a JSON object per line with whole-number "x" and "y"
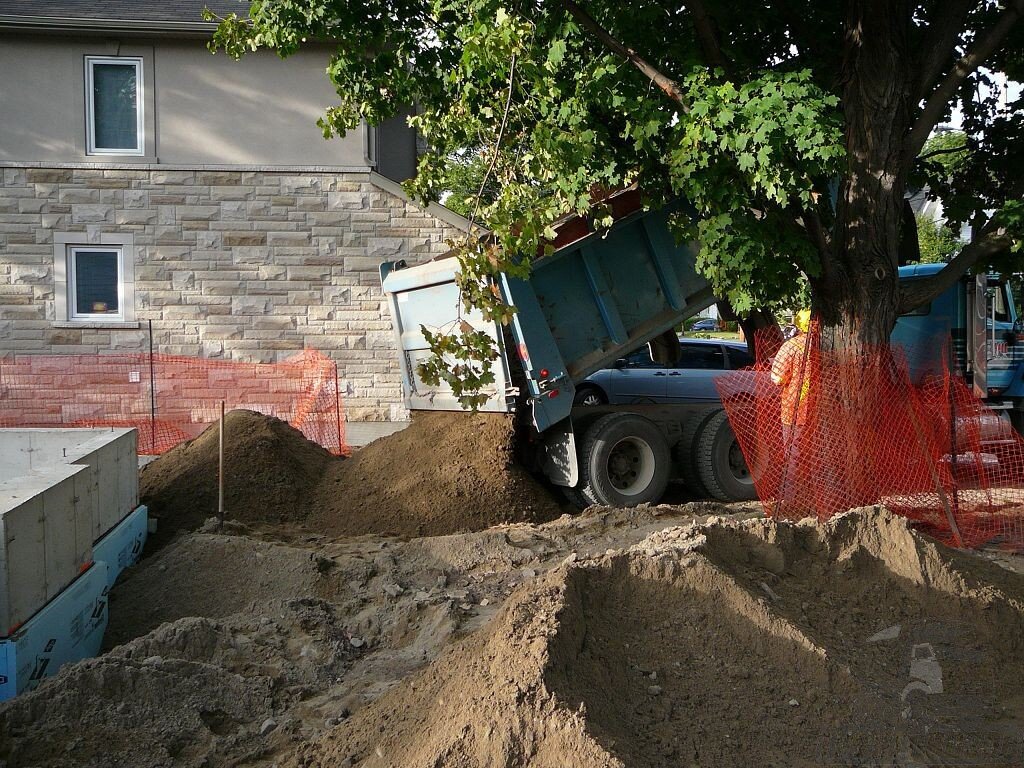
{"x": 755, "y": 643}
{"x": 271, "y": 470}
{"x": 447, "y": 472}
{"x": 242, "y": 631}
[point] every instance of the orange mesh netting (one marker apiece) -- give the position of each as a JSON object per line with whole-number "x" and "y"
{"x": 824, "y": 432}
{"x": 169, "y": 398}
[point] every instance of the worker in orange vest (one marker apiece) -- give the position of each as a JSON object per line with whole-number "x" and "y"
{"x": 791, "y": 370}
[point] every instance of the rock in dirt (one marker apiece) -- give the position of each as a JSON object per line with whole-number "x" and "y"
{"x": 267, "y": 726}
{"x": 270, "y": 471}
{"x": 555, "y": 669}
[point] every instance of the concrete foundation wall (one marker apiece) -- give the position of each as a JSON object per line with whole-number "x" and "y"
{"x": 45, "y": 522}
{"x": 62, "y": 489}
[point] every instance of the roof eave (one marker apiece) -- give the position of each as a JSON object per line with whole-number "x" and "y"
{"x": 124, "y": 26}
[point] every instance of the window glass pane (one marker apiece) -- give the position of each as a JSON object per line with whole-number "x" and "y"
{"x": 96, "y": 282}
{"x": 115, "y": 104}
{"x": 641, "y": 358}
{"x": 1001, "y": 305}
{"x": 702, "y": 356}
{"x": 739, "y": 358}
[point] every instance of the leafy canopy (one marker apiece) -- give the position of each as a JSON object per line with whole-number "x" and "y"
{"x": 549, "y": 104}
{"x": 555, "y": 115}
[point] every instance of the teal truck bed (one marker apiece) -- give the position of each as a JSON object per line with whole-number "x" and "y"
{"x": 582, "y": 307}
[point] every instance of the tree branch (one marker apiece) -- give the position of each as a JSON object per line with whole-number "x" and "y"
{"x": 984, "y": 45}
{"x": 994, "y": 240}
{"x": 944, "y": 151}
{"x": 667, "y": 85}
{"x": 940, "y": 39}
{"x": 704, "y": 26}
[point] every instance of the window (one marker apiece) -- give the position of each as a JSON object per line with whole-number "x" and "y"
{"x": 641, "y": 358}
{"x": 708, "y": 356}
{"x": 95, "y": 278}
{"x": 739, "y": 358}
{"x": 114, "y": 105}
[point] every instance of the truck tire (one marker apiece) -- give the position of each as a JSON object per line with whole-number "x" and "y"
{"x": 575, "y": 497}
{"x": 686, "y": 449}
{"x": 624, "y": 461}
{"x": 720, "y": 463}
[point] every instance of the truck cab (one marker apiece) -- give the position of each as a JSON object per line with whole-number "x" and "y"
{"x": 975, "y": 322}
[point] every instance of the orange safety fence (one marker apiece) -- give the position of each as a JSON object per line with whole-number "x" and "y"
{"x": 170, "y": 398}
{"x": 826, "y": 431}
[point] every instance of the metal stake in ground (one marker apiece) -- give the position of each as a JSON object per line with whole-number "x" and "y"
{"x": 220, "y": 471}
{"x": 152, "y": 394}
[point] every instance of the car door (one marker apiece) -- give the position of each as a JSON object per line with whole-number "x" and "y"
{"x": 637, "y": 379}
{"x": 692, "y": 379}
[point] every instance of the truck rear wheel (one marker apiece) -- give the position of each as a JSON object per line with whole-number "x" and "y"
{"x": 624, "y": 461}
{"x": 723, "y": 470}
{"x": 686, "y": 449}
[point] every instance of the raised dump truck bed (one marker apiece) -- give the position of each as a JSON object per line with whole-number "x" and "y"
{"x": 581, "y": 308}
{"x": 593, "y": 300}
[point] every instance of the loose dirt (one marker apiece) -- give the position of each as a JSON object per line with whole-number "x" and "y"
{"x": 271, "y": 470}
{"x": 852, "y": 643}
{"x": 664, "y": 636}
{"x": 447, "y": 472}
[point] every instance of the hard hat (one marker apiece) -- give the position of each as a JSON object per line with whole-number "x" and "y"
{"x": 803, "y": 320}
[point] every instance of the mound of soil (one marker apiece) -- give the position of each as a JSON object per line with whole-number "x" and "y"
{"x": 757, "y": 643}
{"x": 447, "y": 472}
{"x": 270, "y": 471}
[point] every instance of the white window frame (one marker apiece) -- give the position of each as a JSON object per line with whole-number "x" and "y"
{"x": 63, "y": 286}
{"x": 73, "y": 313}
{"x": 90, "y": 107}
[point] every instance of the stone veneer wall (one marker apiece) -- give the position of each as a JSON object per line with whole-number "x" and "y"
{"x": 244, "y": 265}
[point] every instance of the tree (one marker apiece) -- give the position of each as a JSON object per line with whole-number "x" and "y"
{"x": 793, "y": 128}
{"x": 938, "y": 242}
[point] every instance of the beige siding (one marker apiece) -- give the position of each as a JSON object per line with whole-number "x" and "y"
{"x": 200, "y": 109}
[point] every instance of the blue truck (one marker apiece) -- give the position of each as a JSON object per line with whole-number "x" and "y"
{"x": 607, "y": 293}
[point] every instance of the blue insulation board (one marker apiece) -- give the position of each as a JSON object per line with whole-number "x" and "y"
{"x": 122, "y": 545}
{"x": 71, "y": 626}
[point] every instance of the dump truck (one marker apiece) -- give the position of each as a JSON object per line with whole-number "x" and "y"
{"x": 597, "y": 297}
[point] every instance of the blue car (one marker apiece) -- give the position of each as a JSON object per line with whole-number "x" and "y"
{"x": 706, "y": 324}
{"x": 638, "y": 379}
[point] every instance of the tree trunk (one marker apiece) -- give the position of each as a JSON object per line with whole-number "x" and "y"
{"x": 857, "y": 300}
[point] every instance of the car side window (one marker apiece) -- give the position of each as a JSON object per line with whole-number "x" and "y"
{"x": 739, "y": 358}
{"x": 641, "y": 359}
{"x": 706, "y": 356}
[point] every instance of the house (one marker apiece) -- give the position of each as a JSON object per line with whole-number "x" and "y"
{"x": 145, "y": 179}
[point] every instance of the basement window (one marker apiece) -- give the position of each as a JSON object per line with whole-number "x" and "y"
{"x": 114, "y": 105}
{"x": 95, "y": 283}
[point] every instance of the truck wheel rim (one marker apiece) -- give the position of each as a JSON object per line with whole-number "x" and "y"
{"x": 738, "y": 465}
{"x": 631, "y": 466}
